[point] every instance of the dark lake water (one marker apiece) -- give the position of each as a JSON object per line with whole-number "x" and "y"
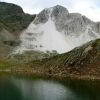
{"x": 14, "y": 88}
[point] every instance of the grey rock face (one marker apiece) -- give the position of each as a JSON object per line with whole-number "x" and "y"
{"x": 59, "y": 11}
{"x": 59, "y": 15}
{"x": 42, "y": 17}
{"x": 72, "y": 23}
{"x": 55, "y": 12}
{"x": 68, "y": 23}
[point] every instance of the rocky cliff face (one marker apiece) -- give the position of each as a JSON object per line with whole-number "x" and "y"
{"x": 65, "y": 21}
{"x": 56, "y": 29}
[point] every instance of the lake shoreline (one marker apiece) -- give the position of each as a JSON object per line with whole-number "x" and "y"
{"x": 41, "y": 74}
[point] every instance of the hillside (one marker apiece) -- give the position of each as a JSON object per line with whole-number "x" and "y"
{"x": 55, "y": 28}
{"x": 13, "y": 18}
{"x": 12, "y": 21}
{"x": 81, "y": 62}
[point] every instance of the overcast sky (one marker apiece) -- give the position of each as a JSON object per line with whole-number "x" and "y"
{"x": 89, "y": 8}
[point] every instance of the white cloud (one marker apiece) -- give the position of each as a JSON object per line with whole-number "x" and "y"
{"x": 86, "y": 7}
{"x": 89, "y": 8}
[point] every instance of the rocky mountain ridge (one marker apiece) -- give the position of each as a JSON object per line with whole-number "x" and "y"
{"x": 56, "y": 29}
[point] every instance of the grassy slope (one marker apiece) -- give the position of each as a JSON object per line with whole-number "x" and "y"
{"x": 13, "y": 18}
{"x": 81, "y": 62}
{"x": 12, "y": 21}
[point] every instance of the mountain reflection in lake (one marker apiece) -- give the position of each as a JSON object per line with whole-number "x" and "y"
{"x": 12, "y": 88}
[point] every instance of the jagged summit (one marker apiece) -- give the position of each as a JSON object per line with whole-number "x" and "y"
{"x": 58, "y": 10}
{"x": 52, "y": 12}
{"x": 64, "y": 21}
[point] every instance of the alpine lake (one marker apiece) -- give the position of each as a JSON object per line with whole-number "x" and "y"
{"x": 33, "y": 88}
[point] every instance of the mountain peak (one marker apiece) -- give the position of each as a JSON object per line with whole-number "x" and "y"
{"x": 53, "y": 12}
{"x": 60, "y": 8}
